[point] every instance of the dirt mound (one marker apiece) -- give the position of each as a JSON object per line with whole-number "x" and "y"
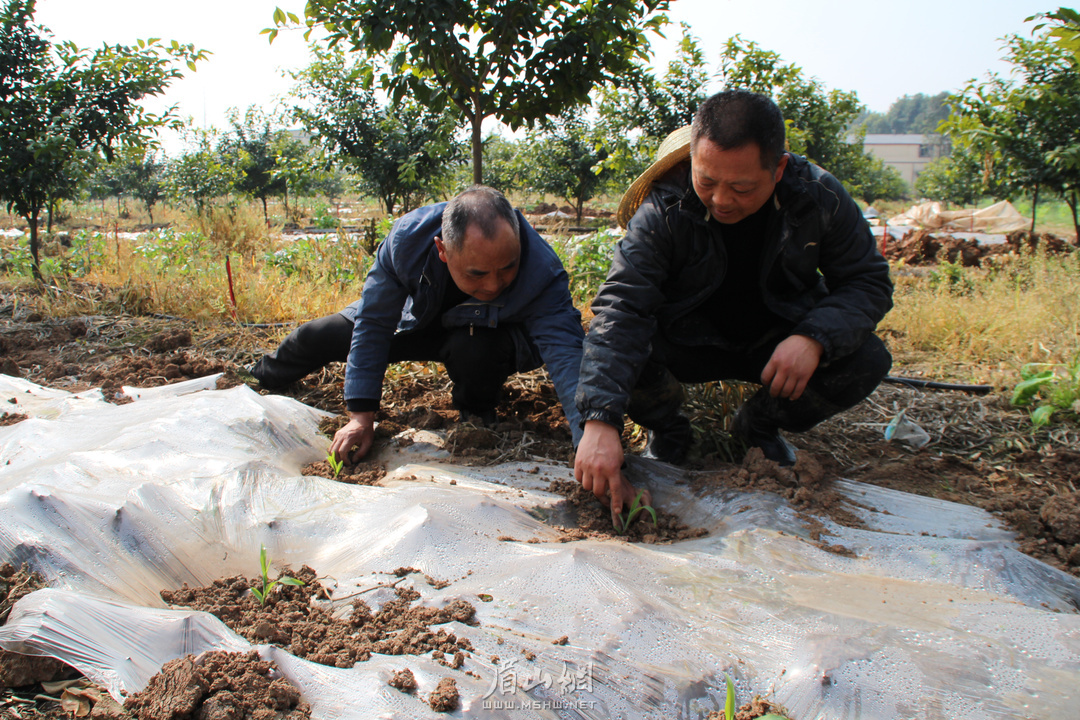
{"x": 927, "y": 247}
{"x": 304, "y": 621}
{"x": 218, "y": 686}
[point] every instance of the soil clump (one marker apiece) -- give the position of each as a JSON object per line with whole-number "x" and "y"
{"x": 218, "y": 686}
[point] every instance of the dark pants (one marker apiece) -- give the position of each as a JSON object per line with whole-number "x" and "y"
{"x": 832, "y": 388}
{"x": 478, "y": 360}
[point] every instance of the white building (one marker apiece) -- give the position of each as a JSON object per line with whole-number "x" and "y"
{"x": 909, "y": 154}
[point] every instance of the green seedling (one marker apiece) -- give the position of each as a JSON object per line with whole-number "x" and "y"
{"x": 729, "y": 704}
{"x": 267, "y": 585}
{"x": 335, "y": 464}
{"x": 622, "y": 526}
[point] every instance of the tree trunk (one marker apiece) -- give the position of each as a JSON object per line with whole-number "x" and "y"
{"x": 580, "y": 209}
{"x": 1034, "y": 208}
{"x": 477, "y": 140}
{"x": 34, "y": 244}
{"x": 1072, "y": 200}
{"x": 266, "y": 217}
{"x": 150, "y": 212}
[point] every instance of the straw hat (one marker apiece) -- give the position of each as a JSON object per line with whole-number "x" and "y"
{"x": 674, "y": 149}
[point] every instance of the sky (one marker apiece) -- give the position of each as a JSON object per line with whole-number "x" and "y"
{"x": 880, "y": 50}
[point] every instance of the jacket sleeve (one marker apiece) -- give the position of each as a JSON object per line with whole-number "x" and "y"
{"x": 856, "y": 276}
{"x": 555, "y": 329}
{"x": 377, "y": 319}
{"x": 624, "y": 317}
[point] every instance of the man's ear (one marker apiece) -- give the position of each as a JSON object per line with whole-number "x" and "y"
{"x": 780, "y": 167}
{"x": 441, "y": 248}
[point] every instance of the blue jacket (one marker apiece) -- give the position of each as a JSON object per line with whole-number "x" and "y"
{"x": 404, "y": 290}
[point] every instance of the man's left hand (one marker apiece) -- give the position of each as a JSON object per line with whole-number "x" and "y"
{"x": 792, "y": 363}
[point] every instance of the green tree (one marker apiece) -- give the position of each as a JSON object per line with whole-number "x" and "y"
{"x": 1024, "y": 127}
{"x": 250, "y": 144}
{"x": 201, "y": 173}
{"x": 60, "y": 104}
{"x": 659, "y": 106}
{"x": 402, "y": 153}
{"x": 142, "y": 175}
{"x": 955, "y": 178}
{"x": 817, "y": 119}
{"x": 566, "y": 160}
{"x": 1064, "y": 28}
{"x": 519, "y": 61}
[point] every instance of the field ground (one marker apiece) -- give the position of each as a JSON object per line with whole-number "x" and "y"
{"x": 982, "y": 451}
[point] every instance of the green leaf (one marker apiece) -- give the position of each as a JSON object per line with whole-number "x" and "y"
{"x": 1041, "y": 415}
{"x": 1027, "y": 389}
{"x": 286, "y": 580}
{"x": 729, "y": 701}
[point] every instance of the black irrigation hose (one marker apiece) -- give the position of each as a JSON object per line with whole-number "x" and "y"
{"x": 932, "y": 385}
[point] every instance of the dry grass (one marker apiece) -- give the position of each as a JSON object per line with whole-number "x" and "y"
{"x": 982, "y": 324}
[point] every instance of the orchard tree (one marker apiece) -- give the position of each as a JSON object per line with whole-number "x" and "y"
{"x": 202, "y": 173}
{"x": 519, "y": 61}
{"x": 659, "y": 105}
{"x": 60, "y": 104}
{"x": 250, "y": 145}
{"x": 955, "y": 178}
{"x": 1024, "y": 127}
{"x": 142, "y": 175}
{"x": 401, "y": 152}
{"x": 566, "y": 160}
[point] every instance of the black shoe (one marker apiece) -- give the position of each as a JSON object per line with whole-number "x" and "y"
{"x": 484, "y": 418}
{"x": 767, "y": 437}
{"x": 671, "y": 444}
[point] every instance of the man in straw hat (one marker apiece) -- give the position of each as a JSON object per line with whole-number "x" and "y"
{"x": 468, "y": 283}
{"x": 740, "y": 262}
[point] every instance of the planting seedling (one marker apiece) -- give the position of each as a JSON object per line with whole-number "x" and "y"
{"x": 623, "y": 526}
{"x": 729, "y": 705}
{"x": 335, "y": 464}
{"x": 267, "y": 585}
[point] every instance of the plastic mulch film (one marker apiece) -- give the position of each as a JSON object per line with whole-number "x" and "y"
{"x": 936, "y": 616}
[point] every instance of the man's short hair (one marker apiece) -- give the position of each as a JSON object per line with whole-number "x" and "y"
{"x": 734, "y": 118}
{"x": 481, "y": 206}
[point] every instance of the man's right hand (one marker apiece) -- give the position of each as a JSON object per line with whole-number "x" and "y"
{"x": 359, "y": 431}
{"x": 598, "y": 466}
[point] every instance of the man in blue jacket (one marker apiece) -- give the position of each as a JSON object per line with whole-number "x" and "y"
{"x": 467, "y": 283}
{"x": 740, "y": 262}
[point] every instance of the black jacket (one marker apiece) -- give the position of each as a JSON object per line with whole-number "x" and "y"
{"x": 821, "y": 271}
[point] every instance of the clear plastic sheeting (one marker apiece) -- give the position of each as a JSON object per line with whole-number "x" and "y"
{"x": 937, "y": 616}
{"x": 1001, "y": 217}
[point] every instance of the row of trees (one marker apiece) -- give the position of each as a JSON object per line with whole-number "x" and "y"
{"x": 61, "y": 105}
{"x": 570, "y": 75}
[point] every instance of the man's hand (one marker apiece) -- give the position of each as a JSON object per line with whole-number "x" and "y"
{"x": 792, "y": 363}
{"x": 598, "y": 466}
{"x": 359, "y": 431}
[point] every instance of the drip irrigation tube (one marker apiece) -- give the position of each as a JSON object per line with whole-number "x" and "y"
{"x": 933, "y": 385}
